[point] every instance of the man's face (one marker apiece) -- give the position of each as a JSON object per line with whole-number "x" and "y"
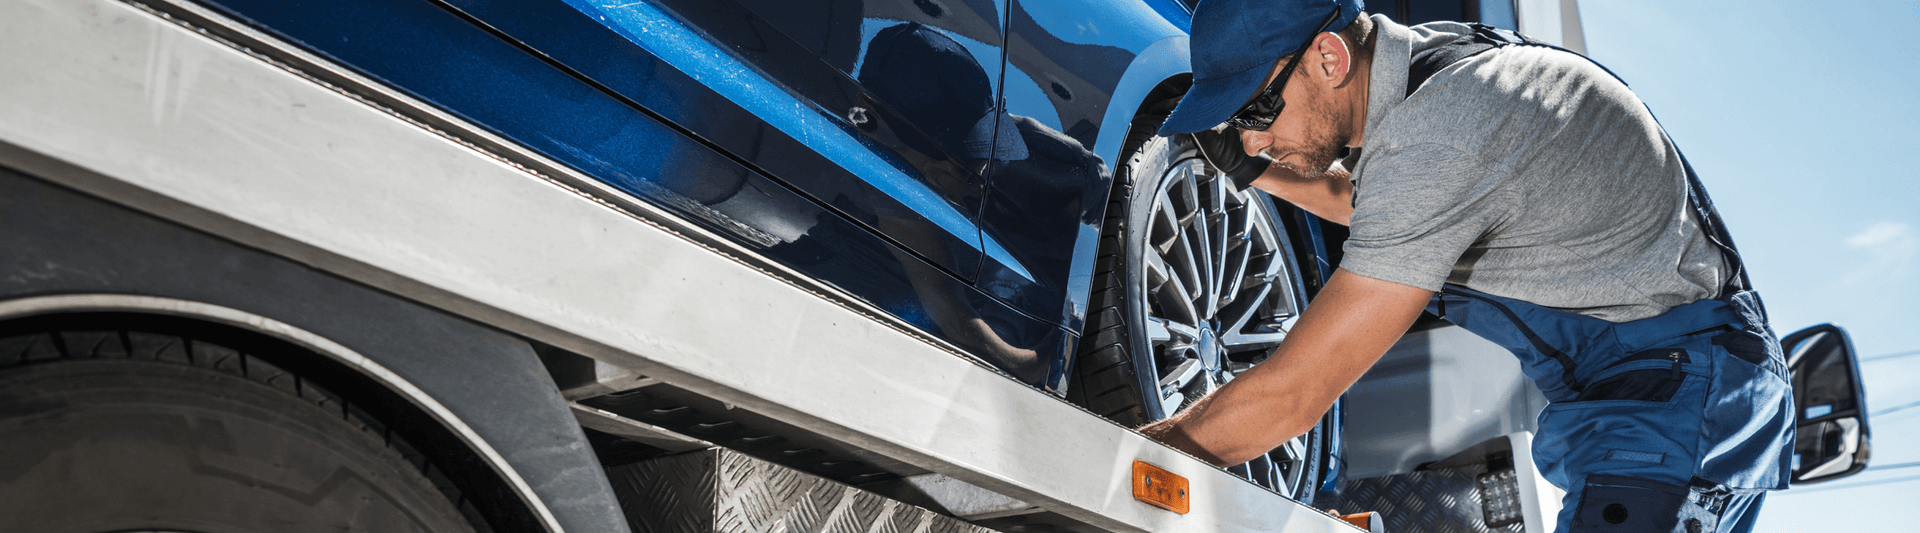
{"x": 1306, "y": 138}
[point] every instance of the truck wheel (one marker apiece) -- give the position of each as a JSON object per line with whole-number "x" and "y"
{"x": 1194, "y": 284}
{"x": 133, "y": 431}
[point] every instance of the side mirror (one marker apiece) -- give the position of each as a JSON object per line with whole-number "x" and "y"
{"x": 1832, "y": 438}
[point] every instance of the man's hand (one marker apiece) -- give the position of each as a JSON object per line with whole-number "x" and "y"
{"x": 1348, "y": 327}
{"x": 1222, "y": 148}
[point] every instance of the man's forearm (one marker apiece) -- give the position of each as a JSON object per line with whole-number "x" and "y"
{"x": 1348, "y": 327}
{"x": 1329, "y": 197}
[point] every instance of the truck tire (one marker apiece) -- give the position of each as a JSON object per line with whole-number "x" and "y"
{"x": 1193, "y": 284}
{"x": 136, "y": 431}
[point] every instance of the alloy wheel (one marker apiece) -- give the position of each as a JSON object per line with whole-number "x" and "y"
{"x": 1220, "y": 292}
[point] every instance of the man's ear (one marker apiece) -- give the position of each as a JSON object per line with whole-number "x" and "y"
{"x": 1333, "y": 60}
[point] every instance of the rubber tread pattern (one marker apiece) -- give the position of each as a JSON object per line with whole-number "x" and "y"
{"x": 65, "y": 345}
{"x": 1105, "y": 380}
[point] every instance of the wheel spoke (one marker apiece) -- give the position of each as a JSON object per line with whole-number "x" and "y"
{"x": 1165, "y": 225}
{"x": 1199, "y": 234}
{"x": 1176, "y": 384}
{"x": 1182, "y": 375}
{"x": 1164, "y": 331}
{"x": 1192, "y": 277}
{"x": 1241, "y": 251}
{"x": 1233, "y": 327}
{"x": 1172, "y": 401}
{"x": 1172, "y": 295}
{"x": 1200, "y": 239}
{"x": 1295, "y": 449}
{"x": 1221, "y": 241}
{"x": 1178, "y": 244}
{"x": 1191, "y": 252}
{"x": 1240, "y": 342}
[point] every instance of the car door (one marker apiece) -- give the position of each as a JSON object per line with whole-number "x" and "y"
{"x": 868, "y": 107}
{"x": 930, "y": 71}
{"x": 1065, "y": 62}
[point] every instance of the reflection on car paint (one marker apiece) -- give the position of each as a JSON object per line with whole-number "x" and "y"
{"x": 1064, "y": 62}
{"x": 1124, "y": 24}
{"x": 646, "y": 26}
{"x": 870, "y": 28}
{"x": 798, "y": 69}
{"x": 425, "y": 51}
{"x": 1024, "y": 97}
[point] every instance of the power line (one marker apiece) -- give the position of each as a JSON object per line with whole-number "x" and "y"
{"x": 1894, "y": 355}
{"x": 1850, "y": 485}
{"x": 1892, "y": 466}
{"x": 1901, "y": 407}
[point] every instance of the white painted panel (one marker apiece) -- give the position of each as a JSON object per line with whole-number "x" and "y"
{"x": 1553, "y": 21}
{"x": 1539, "y": 19}
{"x": 1435, "y": 393}
{"x": 1540, "y": 501}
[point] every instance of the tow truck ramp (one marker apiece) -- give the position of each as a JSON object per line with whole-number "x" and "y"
{"x": 176, "y": 111}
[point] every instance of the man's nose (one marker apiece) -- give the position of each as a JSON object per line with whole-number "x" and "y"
{"x": 1254, "y": 142}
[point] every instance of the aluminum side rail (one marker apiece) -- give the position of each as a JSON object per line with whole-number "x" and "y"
{"x": 385, "y": 191}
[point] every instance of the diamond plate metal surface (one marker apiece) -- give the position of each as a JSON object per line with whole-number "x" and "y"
{"x": 719, "y": 491}
{"x": 1430, "y": 501}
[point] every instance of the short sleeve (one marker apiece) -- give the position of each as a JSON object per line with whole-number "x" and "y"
{"x": 1416, "y": 212}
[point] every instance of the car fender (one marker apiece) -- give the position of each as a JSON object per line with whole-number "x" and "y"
{"x": 1165, "y": 59}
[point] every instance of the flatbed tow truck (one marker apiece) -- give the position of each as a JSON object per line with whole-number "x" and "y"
{"x": 175, "y": 185}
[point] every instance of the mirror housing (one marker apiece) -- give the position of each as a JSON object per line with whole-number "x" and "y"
{"x": 1832, "y": 437}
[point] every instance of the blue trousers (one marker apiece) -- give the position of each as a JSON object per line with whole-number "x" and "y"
{"x": 1678, "y": 422}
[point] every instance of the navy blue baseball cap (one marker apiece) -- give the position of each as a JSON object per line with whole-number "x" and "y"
{"x": 1235, "y": 43}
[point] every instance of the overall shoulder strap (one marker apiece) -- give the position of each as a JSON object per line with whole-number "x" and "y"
{"x": 1428, "y": 62}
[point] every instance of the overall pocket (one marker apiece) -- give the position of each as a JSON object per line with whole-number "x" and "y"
{"x": 1649, "y": 376}
{"x": 1638, "y": 417}
{"x": 1748, "y": 414}
{"x": 1624, "y": 504}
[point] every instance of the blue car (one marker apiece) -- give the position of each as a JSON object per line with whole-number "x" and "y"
{"x": 982, "y": 171}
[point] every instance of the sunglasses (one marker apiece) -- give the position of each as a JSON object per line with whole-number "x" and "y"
{"x": 1260, "y": 112}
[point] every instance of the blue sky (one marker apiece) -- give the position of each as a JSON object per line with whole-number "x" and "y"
{"x": 1802, "y": 119}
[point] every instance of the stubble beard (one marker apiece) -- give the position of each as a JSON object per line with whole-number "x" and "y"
{"x": 1322, "y": 147}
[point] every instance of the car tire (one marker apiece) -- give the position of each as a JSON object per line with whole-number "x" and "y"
{"x": 1144, "y": 354}
{"x": 136, "y": 431}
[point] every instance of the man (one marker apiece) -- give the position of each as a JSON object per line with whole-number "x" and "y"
{"x": 1525, "y": 194}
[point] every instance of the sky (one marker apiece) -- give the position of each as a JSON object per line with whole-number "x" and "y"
{"x": 1802, "y": 118}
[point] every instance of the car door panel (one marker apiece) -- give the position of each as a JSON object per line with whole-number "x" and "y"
{"x": 738, "y": 81}
{"x": 1065, "y": 64}
{"x": 444, "y": 59}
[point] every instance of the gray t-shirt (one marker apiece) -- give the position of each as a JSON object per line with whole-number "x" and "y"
{"x": 1523, "y": 172}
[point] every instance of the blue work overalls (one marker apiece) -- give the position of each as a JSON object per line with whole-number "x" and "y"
{"x": 1678, "y": 422}
{"x": 1672, "y": 423}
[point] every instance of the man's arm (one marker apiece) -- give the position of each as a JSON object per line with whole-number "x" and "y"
{"x": 1348, "y": 327}
{"x": 1329, "y": 197}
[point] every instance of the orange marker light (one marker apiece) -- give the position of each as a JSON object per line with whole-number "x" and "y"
{"x": 1160, "y": 488}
